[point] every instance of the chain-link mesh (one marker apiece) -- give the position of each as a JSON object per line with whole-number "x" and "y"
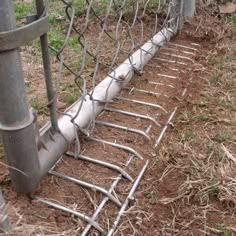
{"x": 91, "y": 38}
{"x": 90, "y": 42}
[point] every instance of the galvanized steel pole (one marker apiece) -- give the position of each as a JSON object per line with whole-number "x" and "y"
{"x": 47, "y": 71}
{"x": 4, "y": 220}
{"x": 189, "y": 8}
{"x": 181, "y": 10}
{"x": 16, "y": 120}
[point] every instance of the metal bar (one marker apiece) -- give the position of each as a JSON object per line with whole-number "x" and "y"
{"x": 120, "y": 146}
{"x": 142, "y": 103}
{"x": 177, "y": 50}
{"x": 167, "y": 76}
{"x": 104, "y": 201}
{"x": 195, "y": 44}
{"x": 5, "y": 224}
{"x": 87, "y": 185}
{"x": 125, "y": 128}
{"x": 182, "y": 46}
{"x": 177, "y": 56}
{"x": 165, "y": 128}
{"x": 16, "y": 120}
{"x": 75, "y": 213}
{"x": 129, "y": 197}
{"x": 16, "y": 38}
{"x": 170, "y": 61}
{"x": 155, "y": 66}
{"x": 157, "y": 83}
{"x": 102, "y": 163}
{"x": 47, "y": 71}
{"x": 176, "y": 14}
{"x": 132, "y": 114}
{"x": 144, "y": 91}
{"x": 148, "y": 129}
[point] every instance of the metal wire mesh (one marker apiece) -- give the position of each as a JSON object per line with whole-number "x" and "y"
{"x": 88, "y": 40}
{"x": 97, "y": 36}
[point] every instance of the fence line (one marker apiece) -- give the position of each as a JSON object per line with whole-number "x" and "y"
{"x": 114, "y": 40}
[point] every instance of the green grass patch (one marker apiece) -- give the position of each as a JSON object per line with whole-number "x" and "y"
{"x": 38, "y": 105}
{"x": 186, "y": 135}
{"x": 23, "y": 9}
{"x": 56, "y": 39}
{"x": 221, "y": 138}
{"x": 214, "y": 80}
{"x": 70, "y": 93}
{"x": 213, "y": 193}
{"x": 204, "y": 118}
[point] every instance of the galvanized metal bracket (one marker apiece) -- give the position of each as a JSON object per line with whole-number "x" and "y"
{"x": 13, "y": 39}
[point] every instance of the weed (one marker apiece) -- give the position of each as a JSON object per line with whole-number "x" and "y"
{"x": 186, "y": 135}
{"x": 202, "y": 104}
{"x": 38, "y": 105}
{"x": 210, "y": 147}
{"x": 79, "y": 6}
{"x": 220, "y": 138}
{"x": 221, "y": 65}
{"x": 2, "y": 152}
{"x": 185, "y": 117}
{"x": 151, "y": 196}
{"x": 213, "y": 193}
{"x": 225, "y": 230}
{"x": 233, "y": 18}
{"x": 70, "y": 98}
{"x": 215, "y": 80}
{"x": 56, "y": 17}
{"x": 23, "y": 9}
{"x": 56, "y": 39}
{"x": 203, "y": 118}
{"x": 70, "y": 94}
{"x": 6, "y": 180}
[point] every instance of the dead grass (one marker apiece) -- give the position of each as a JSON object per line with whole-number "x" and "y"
{"x": 202, "y": 147}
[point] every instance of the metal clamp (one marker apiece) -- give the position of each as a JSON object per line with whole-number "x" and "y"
{"x": 19, "y": 125}
{"x": 18, "y": 37}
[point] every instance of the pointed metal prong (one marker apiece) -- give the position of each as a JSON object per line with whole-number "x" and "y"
{"x": 102, "y": 163}
{"x": 125, "y": 128}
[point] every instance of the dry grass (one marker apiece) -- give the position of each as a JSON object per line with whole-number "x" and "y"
{"x": 203, "y": 146}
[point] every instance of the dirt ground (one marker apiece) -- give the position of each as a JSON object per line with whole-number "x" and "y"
{"x": 189, "y": 185}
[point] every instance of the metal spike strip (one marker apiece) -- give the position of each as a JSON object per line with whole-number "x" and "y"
{"x": 108, "y": 194}
{"x": 105, "y": 200}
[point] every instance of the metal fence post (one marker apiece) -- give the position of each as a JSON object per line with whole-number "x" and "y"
{"x": 4, "y": 220}
{"x": 47, "y": 70}
{"x": 16, "y": 120}
{"x": 181, "y": 10}
{"x": 189, "y": 8}
{"x": 176, "y": 15}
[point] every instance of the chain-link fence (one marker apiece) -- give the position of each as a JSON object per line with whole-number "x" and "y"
{"x": 105, "y": 33}
{"x": 90, "y": 51}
